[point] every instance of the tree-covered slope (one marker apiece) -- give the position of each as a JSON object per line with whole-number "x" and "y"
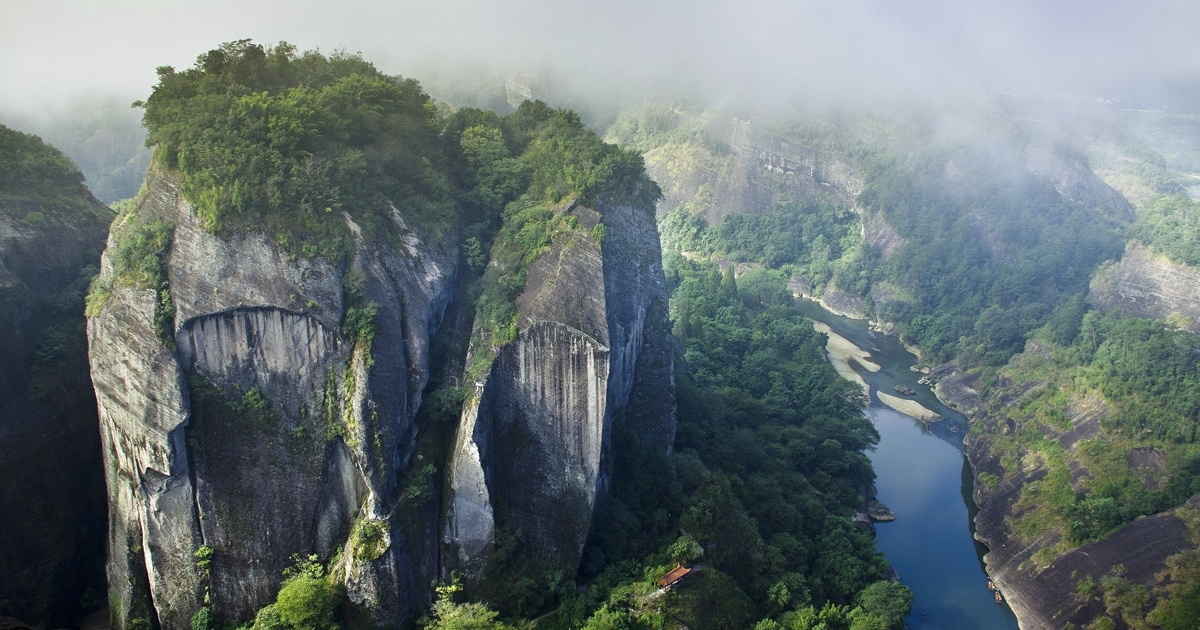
{"x": 984, "y": 250}
{"x": 292, "y": 140}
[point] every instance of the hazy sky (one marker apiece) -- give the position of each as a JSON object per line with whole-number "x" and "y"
{"x": 52, "y": 51}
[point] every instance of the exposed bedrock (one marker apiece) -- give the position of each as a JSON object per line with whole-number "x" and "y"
{"x": 266, "y": 430}
{"x": 52, "y": 497}
{"x": 1149, "y": 285}
{"x": 532, "y": 451}
{"x": 757, "y": 169}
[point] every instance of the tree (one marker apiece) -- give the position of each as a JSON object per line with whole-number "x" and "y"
{"x": 308, "y": 600}
{"x": 729, "y": 281}
{"x": 448, "y": 615}
{"x": 890, "y": 602}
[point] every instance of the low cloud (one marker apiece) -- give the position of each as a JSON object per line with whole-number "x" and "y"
{"x": 849, "y": 52}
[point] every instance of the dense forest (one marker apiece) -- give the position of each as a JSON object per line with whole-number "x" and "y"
{"x": 31, "y": 170}
{"x": 992, "y": 273}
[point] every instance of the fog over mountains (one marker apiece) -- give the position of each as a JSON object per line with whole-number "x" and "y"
{"x": 858, "y": 52}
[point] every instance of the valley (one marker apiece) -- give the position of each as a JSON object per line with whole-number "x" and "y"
{"x": 354, "y": 356}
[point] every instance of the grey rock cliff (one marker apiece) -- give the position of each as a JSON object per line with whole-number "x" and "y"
{"x": 1148, "y": 285}
{"x": 1047, "y": 597}
{"x": 756, "y": 170}
{"x": 52, "y": 495}
{"x": 532, "y": 450}
{"x": 265, "y": 431}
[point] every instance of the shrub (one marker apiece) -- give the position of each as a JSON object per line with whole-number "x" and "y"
{"x": 308, "y": 602}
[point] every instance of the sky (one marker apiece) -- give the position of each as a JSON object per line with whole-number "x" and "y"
{"x": 57, "y": 52}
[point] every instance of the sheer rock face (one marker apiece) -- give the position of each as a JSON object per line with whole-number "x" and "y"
{"x": 842, "y": 303}
{"x": 1144, "y": 284}
{"x": 265, "y": 431}
{"x": 532, "y": 451}
{"x": 52, "y": 497}
{"x": 748, "y": 178}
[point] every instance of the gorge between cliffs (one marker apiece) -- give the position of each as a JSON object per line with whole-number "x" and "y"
{"x": 355, "y": 357}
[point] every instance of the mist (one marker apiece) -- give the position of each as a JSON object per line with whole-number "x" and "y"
{"x": 855, "y": 53}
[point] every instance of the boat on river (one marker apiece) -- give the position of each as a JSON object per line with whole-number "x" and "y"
{"x": 904, "y": 389}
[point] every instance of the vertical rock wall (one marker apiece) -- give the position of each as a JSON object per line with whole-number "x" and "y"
{"x": 264, "y": 432}
{"x": 52, "y": 494}
{"x": 532, "y": 451}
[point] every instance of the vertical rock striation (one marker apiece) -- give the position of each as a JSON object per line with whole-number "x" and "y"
{"x": 259, "y": 427}
{"x": 532, "y": 451}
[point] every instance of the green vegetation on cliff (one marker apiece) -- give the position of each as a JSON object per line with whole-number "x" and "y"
{"x": 986, "y": 260}
{"x": 520, "y": 173}
{"x": 1171, "y": 225}
{"x": 757, "y": 496}
{"x": 1144, "y": 378}
{"x": 981, "y": 248}
{"x": 290, "y": 141}
{"x": 51, "y": 235}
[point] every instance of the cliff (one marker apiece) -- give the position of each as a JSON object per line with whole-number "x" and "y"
{"x": 254, "y": 422}
{"x": 52, "y": 495}
{"x": 1148, "y": 285}
{"x": 1020, "y": 462}
{"x": 532, "y": 453}
{"x": 747, "y": 171}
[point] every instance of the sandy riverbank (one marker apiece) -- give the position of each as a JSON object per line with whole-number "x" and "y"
{"x": 909, "y": 407}
{"x": 842, "y": 352}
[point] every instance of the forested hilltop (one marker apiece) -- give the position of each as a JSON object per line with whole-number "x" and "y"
{"x": 986, "y": 260}
{"x": 425, "y": 251}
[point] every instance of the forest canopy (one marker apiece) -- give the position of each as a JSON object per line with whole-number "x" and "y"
{"x": 291, "y": 140}
{"x": 31, "y": 170}
{"x": 302, "y": 143}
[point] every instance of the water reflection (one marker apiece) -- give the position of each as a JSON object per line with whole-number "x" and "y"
{"x": 930, "y": 543}
{"x": 924, "y": 478}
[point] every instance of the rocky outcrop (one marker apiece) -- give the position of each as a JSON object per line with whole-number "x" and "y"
{"x": 1074, "y": 180}
{"x": 840, "y": 302}
{"x": 750, "y": 174}
{"x": 1049, "y": 597}
{"x": 258, "y": 427}
{"x": 532, "y": 450}
{"x": 1148, "y": 285}
{"x": 878, "y": 233}
{"x": 1044, "y": 592}
{"x": 52, "y": 495}
{"x": 957, "y": 390}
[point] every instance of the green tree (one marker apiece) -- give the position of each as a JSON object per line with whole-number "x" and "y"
{"x": 449, "y": 615}
{"x": 890, "y": 602}
{"x": 308, "y": 599}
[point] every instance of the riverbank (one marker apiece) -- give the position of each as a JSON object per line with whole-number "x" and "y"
{"x": 924, "y": 472}
{"x": 844, "y": 354}
{"x": 910, "y": 407}
{"x": 841, "y": 352}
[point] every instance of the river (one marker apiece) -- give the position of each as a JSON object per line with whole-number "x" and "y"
{"x": 925, "y": 480}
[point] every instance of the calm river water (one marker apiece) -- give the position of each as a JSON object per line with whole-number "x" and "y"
{"x": 925, "y": 480}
